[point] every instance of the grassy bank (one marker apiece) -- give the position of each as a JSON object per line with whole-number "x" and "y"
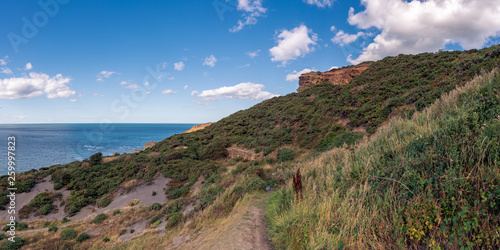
{"x": 429, "y": 181}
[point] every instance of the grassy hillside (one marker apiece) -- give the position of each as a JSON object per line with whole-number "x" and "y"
{"x": 295, "y": 126}
{"x": 429, "y": 181}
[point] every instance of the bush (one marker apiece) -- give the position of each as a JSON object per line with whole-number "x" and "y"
{"x": 105, "y": 239}
{"x": 173, "y": 220}
{"x": 104, "y": 202}
{"x": 286, "y": 154}
{"x": 45, "y": 209}
{"x": 153, "y": 193}
{"x": 155, "y": 206}
{"x": 82, "y": 237}
{"x": 3, "y": 236}
{"x": 95, "y": 158}
{"x": 22, "y": 226}
{"x": 53, "y": 229}
{"x": 18, "y": 243}
{"x": 116, "y": 211}
{"x": 68, "y": 234}
{"x": 254, "y": 184}
{"x": 99, "y": 218}
{"x": 134, "y": 202}
{"x": 64, "y": 220}
{"x": 153, "y": 220}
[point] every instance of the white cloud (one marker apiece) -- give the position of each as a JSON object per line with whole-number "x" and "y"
{"x": 147, "y": 93}
{"x": 253, "y": 54}
{"x": 104, "y": 74}
{"x": 252, "y": 10}
{"x": 293, "y": 44}
{"x": 415, "y": 27}
{"x": 210, "y": 61}
{"x": 123, "y": 83}
{"x": 98, "y": 95}
{"x": 194, "y": 92}
{"x": 146, "y": 83}
{"x": 342, "y": 38}
{"x": 247, "y": 90}
{"x": 179, "y": 66}
{"x": 294, "y": 76}
{"x": 35, "y": 84}
{"x": 6, "y": 71}
{"x": 164, "y": 65}
{"x": 334, "y": 67}
{"x": 320, "y": 3}
{"x": 28, "y": 66}
{"x": 3, "y": 61}
{"x": 185, "y": 86}
{"x": 72, "y": 100}
{"x": 168, "y": 91}
{"x": 171, "y": 78}
{"x": 132, "y": 86}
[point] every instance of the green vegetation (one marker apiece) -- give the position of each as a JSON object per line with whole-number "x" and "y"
{"x": 3, "y": 236}
{"x": 429, "y": 182}
{"x": 82, "y": 237}
{"x": 53, "y": 229}
{"x": 7, "y": 245}
{"x": 68, "y": 234}
{"x": 286, "y": 154}
{"x": 99, "y": 218}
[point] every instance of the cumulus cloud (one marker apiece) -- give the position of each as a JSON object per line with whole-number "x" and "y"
{"x": 210, "y": 61}
{"x": 104, "y": 74}
{"x": 342, "y": 38}
{"x": 179, "y": 66}
{"x": 28, "y": 66}
{"x": 293, "y": 44}
{"x": 185, "y": 86}
{"x": 98, "y": 95}
{"x": 253, "y": 54}
{"x": 194, "y": 92}
{"x": 294, "y": 76}
{"x": 168, "y": 91}
{"x": 35, "y": 84}
{"x": 247, "y": 90}
{"x": 415, "y": 27}
{"x": 72, "y": 100}
{"x": 252, "y": 9}
{"x": 3, "y": 61}
{"x": 320, "y": 3}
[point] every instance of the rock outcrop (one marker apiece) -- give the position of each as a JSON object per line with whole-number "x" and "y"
{"x": 340, "y": 76}
{"x": 197, "y": 127}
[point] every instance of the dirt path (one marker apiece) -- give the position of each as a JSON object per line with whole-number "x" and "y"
{"x": 244, "y": 229}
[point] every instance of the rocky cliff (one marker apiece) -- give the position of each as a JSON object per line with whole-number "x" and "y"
{"x": 340, "y": 76}
{"x": 198, "y": 127}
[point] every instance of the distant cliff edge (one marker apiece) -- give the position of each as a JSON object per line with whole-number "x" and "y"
{"x": 198, "y": 127}
{"x": 340, "y": 76}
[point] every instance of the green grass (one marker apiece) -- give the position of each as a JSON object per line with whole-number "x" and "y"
{"x": 431, "y": 181}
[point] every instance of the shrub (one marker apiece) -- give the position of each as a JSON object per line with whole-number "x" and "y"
{"x": 155, "y": 206}
{"x": 153, "y": 220}
{"x": 154, "y": 193}
{"x": 173, "y": 220}
{"x": 68, "y": 234}
{"x": 105, "y": 239}
{"x": 18, "y": 243}
{"x": 254, "y": 184}
{"x": 3, "y": 236}
{"x": 45, "y": 209}
{"x": 57, "y": 186}
{"x": 116, "y": 211}
{"x": 104, "y": 202}
{"x": 53, "y": 229}
{"x": 134, "y": 202}
{"x": 95, "y": 158}
{"x": 286, "y": 154}
{"x": 82, "y": 237}
{"x": 22, "y": 226}
{"x": 99, "y": 218}
{"x": 64, "y": 220}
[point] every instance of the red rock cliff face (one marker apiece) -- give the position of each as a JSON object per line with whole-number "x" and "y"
{"x": 336, "y": 77}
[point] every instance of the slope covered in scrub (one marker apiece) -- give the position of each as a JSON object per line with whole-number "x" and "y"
{"x": 429, "y": 181}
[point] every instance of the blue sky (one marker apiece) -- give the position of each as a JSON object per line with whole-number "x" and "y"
{"x": 64, "y": 61}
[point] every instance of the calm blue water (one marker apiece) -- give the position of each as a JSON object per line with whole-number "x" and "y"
{"x": 44, "y": 145}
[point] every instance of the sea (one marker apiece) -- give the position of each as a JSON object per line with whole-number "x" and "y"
{"x": 44, "y": 145}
